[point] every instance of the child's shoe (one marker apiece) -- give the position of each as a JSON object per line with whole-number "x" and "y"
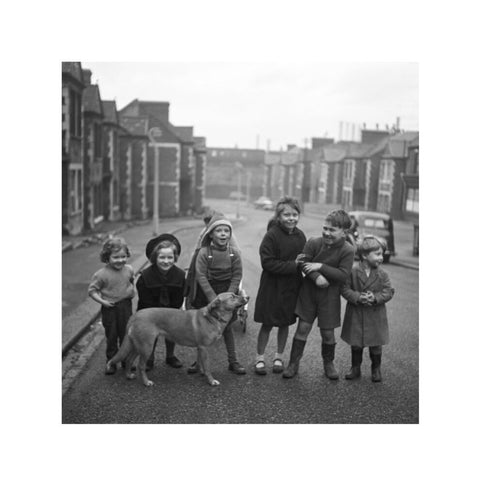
{"x": 376, "y": 363}
{"x": 236, "y": 368}
{"x": 328, "y": 354}
{"x": 295, "y": 356}
{"x": 355, "y": 372}
{"x": 277, "y": 366}
{"x": 260, "y": 368}
{"x": 173, "y": 362}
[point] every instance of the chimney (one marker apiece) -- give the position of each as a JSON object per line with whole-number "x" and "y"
{"x": 340, "y": 130}
{"x": 87, "y": 77}
{"x": 398, "y": 123}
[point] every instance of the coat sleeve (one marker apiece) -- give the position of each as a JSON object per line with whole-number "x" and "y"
{"x": 236, "y": 272}
{"x": 146, "y": 298}
{"x": 386, "y": 293}
{"x": 201, "y": 267}
{"x": 344, "y": 269}
{"x": 348, "y": 292}
{"x": 97, "y": 283}
{"x": 269, "y": 260}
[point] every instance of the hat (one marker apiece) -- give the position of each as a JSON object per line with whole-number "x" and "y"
{"x": 153, "y": 243}
{"x": 218, "y": 219}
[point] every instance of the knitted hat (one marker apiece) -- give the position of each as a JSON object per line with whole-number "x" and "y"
{"x": 153, "y": 243}
{"x": 217, "y": 220}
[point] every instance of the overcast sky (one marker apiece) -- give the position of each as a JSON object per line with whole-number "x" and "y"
{"x": 242, "y": 103}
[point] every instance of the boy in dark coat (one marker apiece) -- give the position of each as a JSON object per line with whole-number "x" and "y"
{"x": 161, "y": 285}
{"x": 365, "y": 323}
{"x": 331, "y": 257}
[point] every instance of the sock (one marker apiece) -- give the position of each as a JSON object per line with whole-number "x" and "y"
{"x": 278, "y": 356}
{"x": 260, "y": 358}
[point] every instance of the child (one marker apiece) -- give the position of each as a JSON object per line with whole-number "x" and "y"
{"x": 161, "y": 285}
{"x": 331, "y": 257}
{"x": 280, "y": 280}
{"x": 112, "y": 287}
{"x": 365, "y": 323}
{"x": 218, "y": 268}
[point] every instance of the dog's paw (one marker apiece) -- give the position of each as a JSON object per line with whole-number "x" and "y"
{"x": 214, "y": 382}
{"x": 130, "y": 375}
{"x": 148, "y": 383}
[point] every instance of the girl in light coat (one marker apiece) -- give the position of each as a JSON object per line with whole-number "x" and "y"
{"x": 365, "y": 323}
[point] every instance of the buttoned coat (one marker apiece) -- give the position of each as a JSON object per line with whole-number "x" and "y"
{"x": 366, "y": 326}
{"x": 281, "y": 278}
{"x": 325, "y": 303}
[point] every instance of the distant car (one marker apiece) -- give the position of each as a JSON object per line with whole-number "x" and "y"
{"x": 377, "y": 224}
{"x": 263, "y": 203}
{"x": 237, "y": 195}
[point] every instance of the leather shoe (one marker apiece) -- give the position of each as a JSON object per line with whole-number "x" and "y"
{"x": 149, "y": 365}
{"x": 110, "y": 370}
{"x": 173, "y": 362}
{"x": 260, "y": 368}
{"x": 236, "y": 368}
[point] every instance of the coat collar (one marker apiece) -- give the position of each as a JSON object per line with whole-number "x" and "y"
{"x": 362, "y": 274}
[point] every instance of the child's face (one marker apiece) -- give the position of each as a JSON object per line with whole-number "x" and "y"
{"x": 332, "y": 234}
{"x": 221, "y": 235}
{"x": 288, "y": 218}
{"x": 118, "y": 259}
{"x": 165, "y": 259}
{"x": 374, "y": 258}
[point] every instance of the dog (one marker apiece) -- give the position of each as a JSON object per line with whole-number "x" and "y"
{"x": 192, "y": 328}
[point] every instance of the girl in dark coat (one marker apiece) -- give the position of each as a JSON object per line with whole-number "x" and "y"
{"x": 280, "y": 280}
{"x": 365, "y": 323}
{"x": 161, "y": 285}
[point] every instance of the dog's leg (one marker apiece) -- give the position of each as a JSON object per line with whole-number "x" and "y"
{"x": 129, "y": 374}
{"x": 143, "y": 374}
{"x": 203, "y": 354}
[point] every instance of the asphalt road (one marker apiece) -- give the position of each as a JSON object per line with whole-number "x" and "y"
{"x": 178, "y": 397}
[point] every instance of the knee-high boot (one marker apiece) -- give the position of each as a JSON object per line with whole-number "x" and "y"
{"x": 328, "y": 354}
{"x": 355, "y": 373}
{"x": 295, "y": 356}
{"x": 376, "y": 359}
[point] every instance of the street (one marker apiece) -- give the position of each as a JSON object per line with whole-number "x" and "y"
{"x": 178, "y": 397}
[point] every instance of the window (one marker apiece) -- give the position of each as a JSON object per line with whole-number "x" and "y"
{"x": 386, "y": 170}
{"x": 98, "y": 139}
{"x": 214, "y": 153}
{"x": 411, "y": 203}
{"x": 75, "y": 190}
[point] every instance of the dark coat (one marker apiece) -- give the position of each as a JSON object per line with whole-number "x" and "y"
{"x": 281, "y": 278}
{"x": 324, "y": 303}
{"x": 366, "y": 326}
{"x": 158, "y": 290}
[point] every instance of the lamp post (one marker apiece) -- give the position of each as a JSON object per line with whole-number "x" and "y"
{"x": 239, "y": 168}
{"x": 152, "y": 133}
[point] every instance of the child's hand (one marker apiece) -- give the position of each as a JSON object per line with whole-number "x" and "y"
{"x": 299, "y": 259}
{"x": 108, "y": 304}
{"x": 322, "y": 282}
{"x": 309, "y": 267}
{"x": 363, "y": 299}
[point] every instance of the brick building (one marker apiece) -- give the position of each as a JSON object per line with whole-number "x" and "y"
{"x": 93, "y": 152}
{"x": 221, "y": 171}
{"x": 72, "y": 161}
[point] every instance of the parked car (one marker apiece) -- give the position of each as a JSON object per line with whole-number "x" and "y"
{"x": 377, "y": 224}
{"x": 263, "y": 203}
{"x": 237, "y": 195}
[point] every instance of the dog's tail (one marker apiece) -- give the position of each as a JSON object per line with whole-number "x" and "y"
{"x": 123, "y": 351}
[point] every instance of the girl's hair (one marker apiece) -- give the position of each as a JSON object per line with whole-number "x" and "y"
{"x": 369, "y": 244}
{"x": 113, "y": 245}
{"x": 339, "y": 218}
{"x": 284, "y": 202}
{"x": 163, "y": 245}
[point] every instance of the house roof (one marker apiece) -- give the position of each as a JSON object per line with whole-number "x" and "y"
{"x": 135, "y": 125}
{"x": 73, "y": 69}
{"x": 397, "y": 146}
{"x": 184, "y": 132}
{"x": 110, "y": 112}
{"x": 91, "y": 100}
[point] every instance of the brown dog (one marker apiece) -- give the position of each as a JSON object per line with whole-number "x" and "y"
{"x": 192, "y": 328}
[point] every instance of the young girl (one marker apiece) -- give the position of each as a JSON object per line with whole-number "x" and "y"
{"x": 365, "y": 323}
{"x": 161, "y": 285}
{"x": 218, "y": 268}
{"x": 279, "y": 282}
{"x": 112, "y": 287}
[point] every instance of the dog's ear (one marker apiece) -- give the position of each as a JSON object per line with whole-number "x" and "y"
{"x": 213, "y": 304}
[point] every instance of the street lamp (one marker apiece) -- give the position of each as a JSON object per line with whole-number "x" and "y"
{"x": 239, "y": 168}
{"x": 152, "y": 133}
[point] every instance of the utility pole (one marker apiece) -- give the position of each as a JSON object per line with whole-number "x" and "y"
{"x": 152, "y": 133}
